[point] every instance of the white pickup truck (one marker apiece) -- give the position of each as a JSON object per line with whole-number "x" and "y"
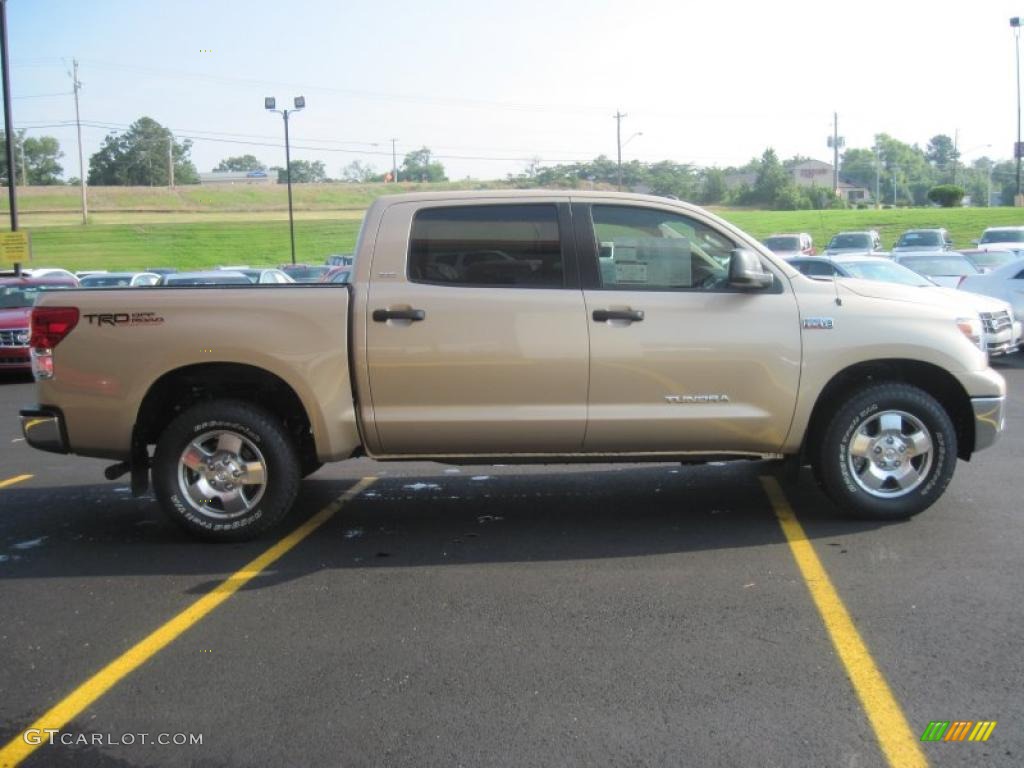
{"x": 516, "y": 327}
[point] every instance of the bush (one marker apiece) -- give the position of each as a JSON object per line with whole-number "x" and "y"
{"x": 946, "y": 195}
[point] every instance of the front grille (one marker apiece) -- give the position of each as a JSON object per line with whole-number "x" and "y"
{"x": 13, "y": 360}
{"x": 995, "y": 322}
{"x": 9, "y": 337}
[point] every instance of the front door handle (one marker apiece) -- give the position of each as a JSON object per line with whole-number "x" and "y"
{"x": 632, "y": 315}
{"x": 383, "y": 315}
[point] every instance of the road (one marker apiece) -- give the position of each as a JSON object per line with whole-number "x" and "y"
{"x": 634, "y": 615}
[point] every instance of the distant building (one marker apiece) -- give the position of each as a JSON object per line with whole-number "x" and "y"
{"x": 238, "y": 177}
{"x": 809, "y": 173}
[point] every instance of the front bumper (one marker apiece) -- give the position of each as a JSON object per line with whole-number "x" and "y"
{"x": 989, "y": 420}
{"x": 43, "y": 428}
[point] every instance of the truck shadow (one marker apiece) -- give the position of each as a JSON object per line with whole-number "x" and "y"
{"x": 437, "y": 520}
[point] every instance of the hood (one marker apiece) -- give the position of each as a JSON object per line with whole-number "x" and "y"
{"x": 975, "y": 301}
{"x": 15, "y": 318}
{"x": 929, "y": 295}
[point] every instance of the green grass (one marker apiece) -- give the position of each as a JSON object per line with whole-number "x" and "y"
{"x": 189, "y": 245}
{"x": 195, "y": 227}
{"x": 964, "y": 224}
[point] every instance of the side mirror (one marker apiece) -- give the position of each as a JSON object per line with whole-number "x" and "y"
{"x": 745, "y": 271}
{"x": 976, "y": 242}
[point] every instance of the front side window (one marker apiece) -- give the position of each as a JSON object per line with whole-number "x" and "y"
{"x": 649, "y": 249}
{"x": 494, "y": 246}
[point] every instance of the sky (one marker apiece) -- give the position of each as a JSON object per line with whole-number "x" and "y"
{"x": 489, "y": 85}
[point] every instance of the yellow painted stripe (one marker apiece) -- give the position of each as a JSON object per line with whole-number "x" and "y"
{"x": 13, "y": 480}
{"x": 88, "y": 692}
{"x": 898, "y": 743}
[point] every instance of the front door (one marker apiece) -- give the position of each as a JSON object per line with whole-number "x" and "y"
{"x": 680, "y": 361}
{"x": 476, "y": 332}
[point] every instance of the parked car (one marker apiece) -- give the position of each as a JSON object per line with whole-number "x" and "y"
{"x": 540, "y": 354}
{"x": 1000, "y": 235}
{"x": 989, "y": 258}
{"x": 213, "y": 277}
{"x": 119, "y": 279}
{"x": 1005, "y": 282}
{"x": 80, "y": 273}
{"x": 17, "y": 297}
{"x": 263, "y": 276}
{"x": 50, "y": 272}
{"x": 790, "y": 245}
{"x": 867, "y": 241}
{"x": 162, "y": 270}
{"x": 948, "y": 268}
{"x": 304, "y": 273}
{"x": 339, "y": 260}
{"x": 923, "y": 240}
{"x": 1000, "y": 323}
{"x": 336, "y": 274}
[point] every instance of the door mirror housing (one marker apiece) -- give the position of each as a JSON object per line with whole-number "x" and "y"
{"x": 745, "y": 271}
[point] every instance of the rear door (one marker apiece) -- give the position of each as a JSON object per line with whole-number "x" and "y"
{"x": 476, "y": 336}
{"x": 679, "y": 360}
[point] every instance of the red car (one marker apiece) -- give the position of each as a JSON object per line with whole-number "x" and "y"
{"x": 336, "y": 274}
{"x": 17, "y": 295}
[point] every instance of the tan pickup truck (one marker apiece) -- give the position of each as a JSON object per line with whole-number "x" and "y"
{"x": 511, "y": 327}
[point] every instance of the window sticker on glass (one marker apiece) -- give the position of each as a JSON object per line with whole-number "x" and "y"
{"x": 630, "y": 272}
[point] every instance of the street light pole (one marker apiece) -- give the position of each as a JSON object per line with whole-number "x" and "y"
{"x": 618, "y": 143}
{"x": 8, "y": 117}
{"x": 394, "y": 162}
{"x": 270, "y": 104}
{"x": 1015, "y": 23}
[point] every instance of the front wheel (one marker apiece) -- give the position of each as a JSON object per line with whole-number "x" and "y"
{"x": 888, "y": 453}
{"x": 225, "y": 470}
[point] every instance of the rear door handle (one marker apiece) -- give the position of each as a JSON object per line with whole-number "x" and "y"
{"x": 632, "y": 315}
{"x": 383, "y": 315}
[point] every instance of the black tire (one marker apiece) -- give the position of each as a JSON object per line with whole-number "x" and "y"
{"x": 849, "y": 480}
{"x": 264, "y": 447}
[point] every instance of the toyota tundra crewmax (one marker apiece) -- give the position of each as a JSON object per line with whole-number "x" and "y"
{"x": 515, "y": 326}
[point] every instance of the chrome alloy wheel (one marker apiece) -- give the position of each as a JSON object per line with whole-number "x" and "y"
{"x": 890, "y": 454}
{"x": 222, "y": 474}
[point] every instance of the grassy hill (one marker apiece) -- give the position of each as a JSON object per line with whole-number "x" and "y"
{"x": 196, "y": 226}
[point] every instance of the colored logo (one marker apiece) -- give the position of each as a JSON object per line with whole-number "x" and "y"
{"x": 958, "y": 730}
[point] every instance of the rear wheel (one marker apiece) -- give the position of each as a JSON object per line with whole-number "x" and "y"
{"x": 225, "y": 470}
{"x": 888, "y": 453}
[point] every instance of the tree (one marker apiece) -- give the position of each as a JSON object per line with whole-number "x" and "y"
{"x": 138, "y": 157}
{"x": 40, "y": 154}
{"x": 303, "y": 172}
{"x": 942, "y": 153}
{"x": 713, "y": 189}
{"x": 417, "y": 167}
{"x": 946, "y": 195}
{"x": 772, "y": 180}
{"x": 359, "y": 172}
{"x": 240, "y": 163}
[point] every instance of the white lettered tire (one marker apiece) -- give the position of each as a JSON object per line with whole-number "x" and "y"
{"x": 888, "y": 453}
{"x": 225, "y": 470}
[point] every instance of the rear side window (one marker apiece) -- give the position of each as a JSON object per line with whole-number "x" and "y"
{"x": 487, "y": 245}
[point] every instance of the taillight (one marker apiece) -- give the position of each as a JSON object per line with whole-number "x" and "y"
{"x": 50, "y": 325}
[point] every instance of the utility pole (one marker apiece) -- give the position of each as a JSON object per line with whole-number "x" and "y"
{"x": 270, "y": 104}
{"x": 1015, "y": 23}
{"x": 78, "y": 123}
{"x": 618, "y": 143}
{"x": 8, "y": 117}
{"x": 835, "y": 152}
{"x": 24, "y": 167}
{"x": 895, "y": 174}
{"x": 170, "y": 160}
{"x": 394, "y": 162}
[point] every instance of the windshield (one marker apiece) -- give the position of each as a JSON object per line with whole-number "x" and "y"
{"x": 1003, "y": 236}
{"x": 306, "y": 273}
{"x": 782, "y": 243}
{"x": 209, "y": 280}
{"x": 945, "y": 266}
{"x": 885, "y": 271}
{"x": 919, "y": 238}
{"x": 992, "y": 259}
{"x": 22, "y": 296}
{"x": 106, "y": 281}
{"x": 853, "y": 240}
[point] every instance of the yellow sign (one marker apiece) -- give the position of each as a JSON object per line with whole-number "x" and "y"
{"x": 14, "y": 247}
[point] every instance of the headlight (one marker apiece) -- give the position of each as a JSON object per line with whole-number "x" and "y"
{"x": 971, "y": 328}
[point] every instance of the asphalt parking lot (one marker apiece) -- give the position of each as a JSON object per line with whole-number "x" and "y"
{"x": 636, "y": 615}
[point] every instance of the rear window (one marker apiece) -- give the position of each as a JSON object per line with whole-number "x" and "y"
{"x": 782, "y": 243}
{"x": 487, "y": 245}
{"x": 919, "y": 238}
{"x": 851, "y": 241}
{"x": 944, "y": 266}
{"x": 1003, "y": 236}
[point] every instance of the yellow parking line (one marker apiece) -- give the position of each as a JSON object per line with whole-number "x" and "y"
{"x": 13, "y": 480}
{"x": 88, "y": 692}
{"x": 883, "y": 711}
